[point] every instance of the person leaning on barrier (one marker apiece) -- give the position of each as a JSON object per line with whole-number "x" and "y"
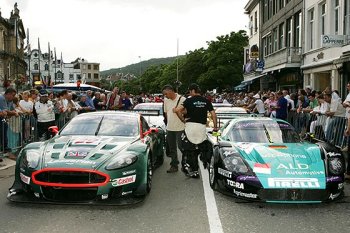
{"x": 194, "y": 139}
{"x": 7, "y": 109}
{"x": 44, "y": 112}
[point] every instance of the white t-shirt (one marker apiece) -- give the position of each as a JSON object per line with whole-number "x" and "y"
{"x": 174, "y": 122}
{"x": 27, "y": 105}
{"x": 260, "y": 106}
{"x": 347, "y": 113}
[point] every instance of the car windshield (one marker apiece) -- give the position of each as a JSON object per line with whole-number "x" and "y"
{"x": 262, "y": 132}
{"x": 102, "y": 125}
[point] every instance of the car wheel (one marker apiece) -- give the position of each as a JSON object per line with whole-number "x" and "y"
{"x": 149, "y": 174}
{"x": 213, "y": 173}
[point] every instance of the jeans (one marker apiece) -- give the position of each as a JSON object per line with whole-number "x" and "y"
{"x": 173, "y": 139}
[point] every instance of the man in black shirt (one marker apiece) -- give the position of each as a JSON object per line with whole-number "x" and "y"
{"x": 195, "y": 110}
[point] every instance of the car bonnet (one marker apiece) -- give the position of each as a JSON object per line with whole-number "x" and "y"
{"x": 289, "y": 165}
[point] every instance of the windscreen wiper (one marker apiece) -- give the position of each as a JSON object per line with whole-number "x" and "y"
{"x": 267, "y": 134}
{"x": 99, "y": 126}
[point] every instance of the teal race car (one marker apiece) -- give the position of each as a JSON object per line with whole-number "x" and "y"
{"x": 99, "y": 157}
{"x": 264, "y": 159}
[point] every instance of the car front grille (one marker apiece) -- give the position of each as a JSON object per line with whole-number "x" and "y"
{"x": 69, "y": 195}
{"x": 69, "y": 178}
{"x": 293, "y": 194}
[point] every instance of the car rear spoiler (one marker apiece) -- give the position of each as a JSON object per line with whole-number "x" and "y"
{"x": 231, "y": 115}
{"x": 147, "y": 112}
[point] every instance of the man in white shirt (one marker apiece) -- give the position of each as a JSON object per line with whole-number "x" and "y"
{"x": 335, "y": 116}
{"x": 258, "y": 105}
{"x": 44, "y": 110}
{"x": 175, "y": 125}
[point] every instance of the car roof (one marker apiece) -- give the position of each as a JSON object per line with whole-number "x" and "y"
{"x": 104, "y": 113}
{"x": 230, "y": 110}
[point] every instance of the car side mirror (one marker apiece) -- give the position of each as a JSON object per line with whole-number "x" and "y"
{"x": 53, "y": 130}
{"x": 151, "y": 130}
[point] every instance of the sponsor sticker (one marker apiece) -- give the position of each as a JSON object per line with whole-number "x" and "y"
{"x": 126, "y": 193}
{"x": 293, "y": 183}
{"x": 262, "y": 168}
{"x": 129, "y": 172}
{"x": 123, "y": 180}
{"x": 24, "y": 178}
{"x": 72, "y": 161}
{"x": 235, "y": 184}
{"x": 289, "y": 166}
{"x": 104, "y": 196}
{"x": 247, "y": 195}
{"x": 81, "y": 154}
{"x": 224, "y": 172}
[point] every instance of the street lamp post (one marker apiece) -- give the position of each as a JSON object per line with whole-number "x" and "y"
{"x": 140, "y": 73}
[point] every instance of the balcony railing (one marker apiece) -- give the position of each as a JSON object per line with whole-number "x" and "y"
{"x": 291, "y": 55}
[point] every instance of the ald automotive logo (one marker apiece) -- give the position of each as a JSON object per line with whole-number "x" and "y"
{"x": 293, "y": 183}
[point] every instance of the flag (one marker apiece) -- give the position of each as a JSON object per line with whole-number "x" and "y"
{"x": 55, "y": 58}
{"x": 61, "y": 61}
{"x": 28, "y": 44}
{"x": 49, "y": 63}
{"x": 262, "y": 168}
{"x": 39, "y": 46}
{"x": 18, "y": 41}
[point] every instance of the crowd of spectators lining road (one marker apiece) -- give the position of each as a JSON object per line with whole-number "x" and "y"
{"x": 317, "y": 112}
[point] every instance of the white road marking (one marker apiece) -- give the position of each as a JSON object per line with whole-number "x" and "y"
{"x": 212, "y": 210}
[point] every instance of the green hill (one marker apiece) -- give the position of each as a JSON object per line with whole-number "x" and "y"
{"x": 137, "y": 67}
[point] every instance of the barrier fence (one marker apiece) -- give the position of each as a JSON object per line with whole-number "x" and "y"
{"x": 21, "y": 130}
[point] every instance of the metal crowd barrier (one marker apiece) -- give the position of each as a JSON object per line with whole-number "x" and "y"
{"x": 323, "y": 128}
{"x": 22, "y": 130}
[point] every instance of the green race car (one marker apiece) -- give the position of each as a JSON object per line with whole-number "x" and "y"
{"x": 99, "y": 157}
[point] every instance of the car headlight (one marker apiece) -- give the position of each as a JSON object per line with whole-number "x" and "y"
{"x": 336, "y": 166}
{"x": 31, "y": 159}
{"x": 234, "y": 162}
{"x": 122, "y": 161}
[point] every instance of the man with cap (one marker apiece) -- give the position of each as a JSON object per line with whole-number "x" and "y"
{"x": 194, "y": 140}
{"x": 258, "y": 105}
{"x": 44, "y": 111}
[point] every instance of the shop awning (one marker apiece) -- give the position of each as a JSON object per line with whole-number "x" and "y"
{"x": 250, "y": 81}
{"x": 240, "y": 87}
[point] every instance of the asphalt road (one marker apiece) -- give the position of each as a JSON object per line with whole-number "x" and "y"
{"x": 175, "y": 204}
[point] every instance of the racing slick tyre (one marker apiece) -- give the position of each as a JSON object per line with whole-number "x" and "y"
{"x": 149, "y": 174}
{"x": 213, "y": 173}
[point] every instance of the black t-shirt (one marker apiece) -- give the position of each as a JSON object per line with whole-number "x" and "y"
{"x": 197, "y": 108}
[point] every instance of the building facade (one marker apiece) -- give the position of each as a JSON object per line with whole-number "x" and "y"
{"x": 252, "y": 58}
{"x": 327, "y": 47}
{"x": 12, "y": 64}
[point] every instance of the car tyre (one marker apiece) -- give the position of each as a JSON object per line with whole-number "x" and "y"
{"x": 213, "y": 173}
{"x": 149, "y": 174}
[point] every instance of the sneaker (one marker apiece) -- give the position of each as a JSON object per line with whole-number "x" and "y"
{"x": 194, "y": 175}
{"x": 347, "y": 177}
{"x": 172, "y": 169}
{"x": 344, "y": 149}
{"x": 186, "y": 169}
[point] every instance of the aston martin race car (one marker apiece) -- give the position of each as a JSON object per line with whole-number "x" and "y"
{"x": 98, "y": 157}
{"x": 264, "y": 159}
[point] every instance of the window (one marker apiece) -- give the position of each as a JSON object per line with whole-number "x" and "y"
{"x": 336, "y": 17}
{"x": 256, "y": 21}
{"x": 265, "y": 46}
{"x": 89, "y": 75}
{"x": 311, "y": 29}
{"x": 297, "y": 29}
{"x": 289, "y": 32}
{"x": 251, "y": 26}
{"x": 89, "y": 67}
{"x": 71, "y": 77}
{"x": 281, "y": 36}
{"x": 95, "y": 67}
{"x": 36, "y": 67}
{"x": 78, "y": 76}
{"x": 95, "y": 76}
{"x": 346, "y": 18}
{"x": 281, "y": 4}
{"x": 269, "y": 44}
{"x": 274, "y": 7}
{"x": 265, "y": 11}
{"x": 275, "y": 40}
{"x": 46, "y": 67}
{"x": 323, "y": 18}
{"x": 270, "y": 9}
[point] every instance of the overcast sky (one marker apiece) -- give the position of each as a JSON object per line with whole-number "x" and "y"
{"x": 115, "y": 33}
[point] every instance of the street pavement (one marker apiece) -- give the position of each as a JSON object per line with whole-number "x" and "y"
{"x": 175, "y": 204}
